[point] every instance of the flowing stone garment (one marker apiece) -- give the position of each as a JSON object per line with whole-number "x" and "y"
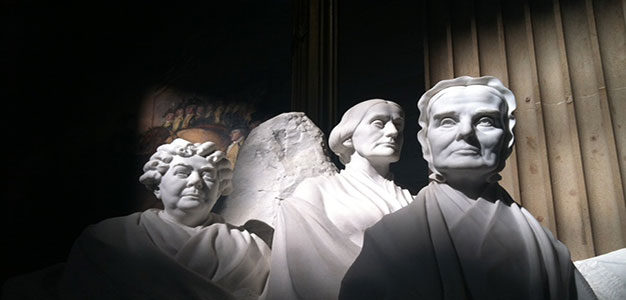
{"x": 148, "y": 256}
{"x": 318, "y": 238}
{"x": 447, "y": 246}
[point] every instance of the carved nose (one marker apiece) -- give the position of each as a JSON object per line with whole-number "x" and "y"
{"x": 391, "y": 130}
{"x": 465, "y": 130}
{"x": 194, "y": 180}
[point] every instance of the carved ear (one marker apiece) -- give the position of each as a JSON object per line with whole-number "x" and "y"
{"x": 157, "y": 193}
{"x": 347, "y": 143}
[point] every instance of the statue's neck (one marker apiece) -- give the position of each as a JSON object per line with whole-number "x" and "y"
{"x": 378, "y": 172}
{"x": 471, "y": 186}
{"x": 190, "y": 219}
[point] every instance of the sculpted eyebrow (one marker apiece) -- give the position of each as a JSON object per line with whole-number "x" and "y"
{"x": 204, "y": 168}
{"x": 181, "y": 165}
{"x": 378, "y": 117}
{"x": 208, "y": 169}
{"x": 488, "y": 112}
{"x": 444, "y": 114}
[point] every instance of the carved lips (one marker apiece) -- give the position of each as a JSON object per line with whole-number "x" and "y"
{"x": 193, "y": 195}
{"x": 467, "y": 151}
{"x": 391, "y": 144}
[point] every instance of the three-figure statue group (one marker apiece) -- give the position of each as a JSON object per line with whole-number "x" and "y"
{"x": 354, "y": 235}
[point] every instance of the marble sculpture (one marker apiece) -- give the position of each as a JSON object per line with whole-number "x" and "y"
{"x": 181, "y": 252}
{"x": 463, "y": 237}
{"x": 319, "y": 229}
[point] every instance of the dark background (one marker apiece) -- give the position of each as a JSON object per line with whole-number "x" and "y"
{"x": 74, "y": 76}
{"x": 380, "y": 55}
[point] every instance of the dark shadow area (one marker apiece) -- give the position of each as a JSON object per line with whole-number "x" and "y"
{"x": 73, "y": 79}
{"x": 381, "y": 56}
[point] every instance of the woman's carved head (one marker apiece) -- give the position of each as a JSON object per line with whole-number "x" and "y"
{"x": 373, "y": 129}
{"x": 467, "y": 125}
{"x": 188, "y": 177}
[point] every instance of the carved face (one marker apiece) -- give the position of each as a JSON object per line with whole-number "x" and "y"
{"x": 379, "y": 134}
{"x": 466, "y": 130}
{"x": 188, "y": 186}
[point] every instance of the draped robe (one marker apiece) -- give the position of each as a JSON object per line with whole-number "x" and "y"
{"x": 319, "y": 231}
{"x": 148, "y": 256}
{"x": 445, "y": 245}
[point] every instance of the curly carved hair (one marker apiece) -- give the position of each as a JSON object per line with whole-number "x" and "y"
{"x": 160, "y": 161}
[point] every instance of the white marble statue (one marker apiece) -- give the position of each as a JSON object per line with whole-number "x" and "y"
{"x": 181, "y": 252}
{"x": 464, "y": 237}
{"x": 319, "y": 229}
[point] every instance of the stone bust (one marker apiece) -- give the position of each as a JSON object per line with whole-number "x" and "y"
{"x": 463, "y": 237}
{"x": 319, "y": 229}
{"x": 188, "y": 178}
{"x": 369, "y": 136}
{"x": 467, "y": 131}
{"x": 181, "y": 252}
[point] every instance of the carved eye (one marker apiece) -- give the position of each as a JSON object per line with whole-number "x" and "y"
{"x": 181, "y": 174}
{"x": 399, "y": 124}
{"x": 378, "y": 123}
{"x": 207, "y": 176}
{"x": 447, "y": 122}
{"x": 485, "y": 121}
